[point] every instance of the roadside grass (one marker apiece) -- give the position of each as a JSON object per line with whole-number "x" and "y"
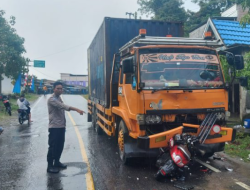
{"x": 240, "y": 147}
{"x": 14, "y": 107}
{"x": 31, "y": 97}
{"x": 86, "y": 96}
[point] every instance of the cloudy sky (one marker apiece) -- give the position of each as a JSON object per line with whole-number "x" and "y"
{"x": 60, "y": 31}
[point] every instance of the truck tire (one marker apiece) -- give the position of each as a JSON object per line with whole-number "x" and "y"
{"x": 98, "y": 129}
{"x": 207, "y": 155}
{"x": 93, "y": 118}
{"x": 122, "y": 135}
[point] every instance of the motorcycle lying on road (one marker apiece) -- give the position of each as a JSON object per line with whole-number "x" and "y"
{"x": 22, "y": 116}
{"x": 174, "y": 160}
{"x": 7, "y": 105}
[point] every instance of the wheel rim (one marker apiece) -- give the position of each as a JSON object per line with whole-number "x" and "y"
{"x": 121, "y": 143}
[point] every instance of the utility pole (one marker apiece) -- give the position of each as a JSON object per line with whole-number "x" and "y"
{"x": 127, "y": 13}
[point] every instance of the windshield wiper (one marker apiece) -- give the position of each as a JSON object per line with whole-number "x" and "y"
{"x": 155, "y": 90}
{"x": 176, "y": 88}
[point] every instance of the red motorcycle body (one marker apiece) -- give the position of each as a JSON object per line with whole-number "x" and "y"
{"x": 180, "y": 155}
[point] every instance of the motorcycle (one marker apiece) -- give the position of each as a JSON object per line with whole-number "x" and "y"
{"x": 7, "y": 105}
{"x": 1, "y": 130}
{"x": 174, "y": 161}
{"x": 22, "y": 116}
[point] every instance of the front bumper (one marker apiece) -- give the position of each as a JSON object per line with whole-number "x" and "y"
{"x": 162, "y": 139}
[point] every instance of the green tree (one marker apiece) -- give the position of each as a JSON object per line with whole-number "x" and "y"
{"x": 225, "y": 67}
{"x": 246, "y": 19}
{"x": 173, "y": 10}
{"x": 244, "y": 72}
{"x": 12, "y": 61}
{"x": 208, "y": 8}
{"x": 166, "y": 10}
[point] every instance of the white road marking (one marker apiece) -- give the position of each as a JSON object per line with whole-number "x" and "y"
{"x": 207, "y": 165}
{"x": 89, "y": 178}
{"x": 242, "y": 184}
{"x": 36, "y": 102}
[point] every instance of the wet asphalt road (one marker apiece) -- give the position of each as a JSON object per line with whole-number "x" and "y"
{"x": 23, "y": 163}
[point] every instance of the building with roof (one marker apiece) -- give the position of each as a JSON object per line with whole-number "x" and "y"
{"x": 236, "y": 39}
{"x": 6, "y": 85}
{"x": 76, "y": 83}
{"x": 75, "y": 80}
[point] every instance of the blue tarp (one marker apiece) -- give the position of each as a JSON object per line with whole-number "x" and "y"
{"x": 32, "y": 84}
{"x": 17, "y": 87}
{"x": 41, "y": 83}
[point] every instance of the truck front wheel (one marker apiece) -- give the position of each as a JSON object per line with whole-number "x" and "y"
{"x": 122, "y": 135}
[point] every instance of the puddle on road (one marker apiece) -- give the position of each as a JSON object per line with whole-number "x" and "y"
{"x": 29, "y": 135}
{"x": 73, "y": 169}
{"x": 26, "y": 135}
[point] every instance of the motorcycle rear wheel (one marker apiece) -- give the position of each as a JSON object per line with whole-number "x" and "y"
{"x": 9, "y": 111}
{"x": 158, "y": 176}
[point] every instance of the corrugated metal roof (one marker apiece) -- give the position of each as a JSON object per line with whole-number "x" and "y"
{"x": 232, "y": 32}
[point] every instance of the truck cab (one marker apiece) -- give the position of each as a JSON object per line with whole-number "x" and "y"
{"x": 169, "y": 86}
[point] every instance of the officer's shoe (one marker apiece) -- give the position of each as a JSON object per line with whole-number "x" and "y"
{"x": 52, "y": 169}
{"x": 60, "y": 165}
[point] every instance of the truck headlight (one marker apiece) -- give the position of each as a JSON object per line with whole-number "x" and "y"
{"x": 221, "y": 116}
{"x": 152, "y": 119}
{"x": 140, "y": 119}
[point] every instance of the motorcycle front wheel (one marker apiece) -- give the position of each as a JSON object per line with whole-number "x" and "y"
{"x": 20, "y": 120}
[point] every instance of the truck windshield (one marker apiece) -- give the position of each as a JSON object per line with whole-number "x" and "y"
{"x": 180, "y": 70}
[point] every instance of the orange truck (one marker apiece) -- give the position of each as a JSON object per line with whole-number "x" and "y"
{"x": 144, "y": 89}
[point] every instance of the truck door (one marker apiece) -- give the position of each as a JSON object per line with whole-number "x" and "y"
{"x": 128, "y": 93}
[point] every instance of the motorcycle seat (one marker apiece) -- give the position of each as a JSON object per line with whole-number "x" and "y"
{"x": 21, "y": 110}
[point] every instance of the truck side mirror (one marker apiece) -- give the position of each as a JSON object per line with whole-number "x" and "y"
{"x": 128, "y": 65}
{"x": 243, "y": 81}
{"x": 230, "y": 58}
{"x": 236, "y": 61}
{"x": 239, "y": 62}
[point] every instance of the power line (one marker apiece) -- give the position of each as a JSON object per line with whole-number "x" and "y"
{"x": 62, "y": 50}
{"x": 44, "y": 74}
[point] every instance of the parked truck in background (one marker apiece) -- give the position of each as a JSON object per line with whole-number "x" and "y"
{"x": 144, "y": 88}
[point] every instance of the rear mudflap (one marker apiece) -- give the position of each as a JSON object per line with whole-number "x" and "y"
{"x": 89, "y": 117}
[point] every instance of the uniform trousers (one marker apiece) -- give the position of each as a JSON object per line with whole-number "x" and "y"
{"x": 56, "y": 144}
